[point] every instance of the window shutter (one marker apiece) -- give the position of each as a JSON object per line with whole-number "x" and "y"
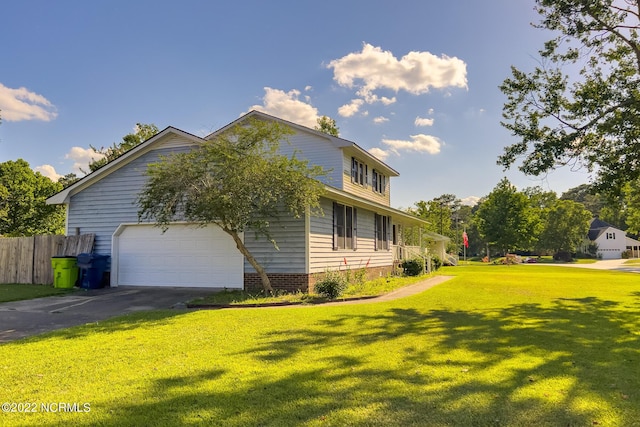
{"x": 374, "y": 180}
{"x": 375, "y": 231}
{"x": 355, "y": 229}
{"x": 388, "y": 230}
{"x": 335, "y": 226}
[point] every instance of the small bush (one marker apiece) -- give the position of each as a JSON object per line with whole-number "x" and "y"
{"x": 562, "y": 256}
{"x": 332, "y": 285}
{"x": 412, "y": 267}
{"x": 436, "y": 262}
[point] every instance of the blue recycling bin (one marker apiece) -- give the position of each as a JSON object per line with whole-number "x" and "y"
{"x": 92, "y": 268}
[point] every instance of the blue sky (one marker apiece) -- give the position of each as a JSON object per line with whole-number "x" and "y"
{"x": 414, "y": 82}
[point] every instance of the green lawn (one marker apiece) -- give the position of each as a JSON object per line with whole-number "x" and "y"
{"x": 495, "y": 346}
{"x": 16, "y": 292}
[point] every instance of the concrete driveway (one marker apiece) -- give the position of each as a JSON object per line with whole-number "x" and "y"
{"x": 607, "y": 264}
{"x": 21, "y": 319}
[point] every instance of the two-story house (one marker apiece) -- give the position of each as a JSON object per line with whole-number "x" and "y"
{"x": 358, "y": 228}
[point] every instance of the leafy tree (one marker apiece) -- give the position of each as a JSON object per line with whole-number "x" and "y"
{"x": 237, "y": 181}
{"x": 631, "y": 194}
{"x": 327, "y": 125}
{"x": 23, "y": 210}
{"x": 586, "y": 195}
{"x": 565, "y": 227}
{"x": 540, "y": 199}
{"x": 439, "y": 212}
{"x": 68, "y": 179}
{"x": 506, "y": 220}
{"x": 587, "y": 114}
{"x": 129, "y": 141}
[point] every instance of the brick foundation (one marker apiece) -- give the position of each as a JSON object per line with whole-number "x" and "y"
{"x": 290, "y": 282}
{"x": 301, "y": 282}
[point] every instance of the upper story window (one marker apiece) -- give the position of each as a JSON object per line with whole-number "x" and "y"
{"x": 344, "y": 227}
{"x": 378, "y": 182}
{"x": 611, "y": 236}
{"x": 359, "y": 172}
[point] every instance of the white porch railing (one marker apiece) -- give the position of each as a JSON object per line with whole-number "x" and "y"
{"x": 401, "y": 252}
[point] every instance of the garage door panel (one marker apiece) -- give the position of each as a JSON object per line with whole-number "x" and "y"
{"x": 183, "y": 256}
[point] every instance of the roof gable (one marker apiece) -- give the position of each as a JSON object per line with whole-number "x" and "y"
{"x": 152, "y": 143}
{"x": 345, "y": 145}
{"x": 348, "y": 147}
{"x": 598, "y": 227}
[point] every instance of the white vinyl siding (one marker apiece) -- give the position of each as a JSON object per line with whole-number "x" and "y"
{"x": 318, "y": 151}
{"x": 365, "y": 190}
{"x": 289, "y": 235}
{"x": 103, "y": 206}
{"x": 322, "y": 257}
{"x": 610, "y": 244}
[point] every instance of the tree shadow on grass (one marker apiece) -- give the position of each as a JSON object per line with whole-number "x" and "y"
{"x": 573, "y": 362}
{"x": 569, "y": 363}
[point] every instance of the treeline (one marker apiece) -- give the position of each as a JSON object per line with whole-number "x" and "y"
{"x": 529, "y": 220}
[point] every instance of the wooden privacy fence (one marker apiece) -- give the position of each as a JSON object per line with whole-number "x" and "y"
{"x": 28, "y": 259}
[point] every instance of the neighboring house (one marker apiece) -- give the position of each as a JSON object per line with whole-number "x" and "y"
{"x": 358, "y": 229}
{"x": 633, "y": 247}
{"x": 611, "y": 241}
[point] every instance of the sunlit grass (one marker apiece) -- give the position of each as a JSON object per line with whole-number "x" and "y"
{"x": 497, "y": 345}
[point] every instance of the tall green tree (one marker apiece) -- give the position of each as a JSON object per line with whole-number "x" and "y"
{"x": 105, "y": 155}
{"x": 581, "y": 105}
{"x": 439, "y": 212}
{"x": 566, "y": 225}
{"x": 506, "y": 220}
{"x": 631, "y": 196}
{"x": 23, "y": 210}
{"x": 327, "y": 125}
{"x": 238, "y": 181}
{"x": 68, "y": 179}
{"x": 586, "y": 194}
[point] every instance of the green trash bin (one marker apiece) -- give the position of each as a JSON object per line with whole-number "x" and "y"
{"x": 65, "y": 271}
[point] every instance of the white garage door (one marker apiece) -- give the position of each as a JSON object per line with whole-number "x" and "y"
{"x": 185, "y": 255}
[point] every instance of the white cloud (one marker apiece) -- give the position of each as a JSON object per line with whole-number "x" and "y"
{"x": 371, "y": 98}
{"x": 286, "y": 105}
{"x": 420, "y": 143}
{"x": 415, "y": 73}
{"x": 308, "y": 88}
{"x": 423, "y": 121}
{"x": 48, "y": 171}
{"x": 21, "y": 104}
{"x": 381, "y": 119}
{"x": 379, "y": 153}
{"x": 430, "y": 112}
{"x": 470, "y": 201}
{"x": 349, "y": 110}
{"x": 82, "y": 157}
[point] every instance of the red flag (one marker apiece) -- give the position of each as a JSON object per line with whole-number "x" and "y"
{"x": 465, "y": 239}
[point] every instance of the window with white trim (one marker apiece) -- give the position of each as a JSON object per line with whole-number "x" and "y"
{"x": 382, "y": 232}
{"x": 378, "y": 182}
{"x": 344, "y": 227}
{"x": 359, "y": 172}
